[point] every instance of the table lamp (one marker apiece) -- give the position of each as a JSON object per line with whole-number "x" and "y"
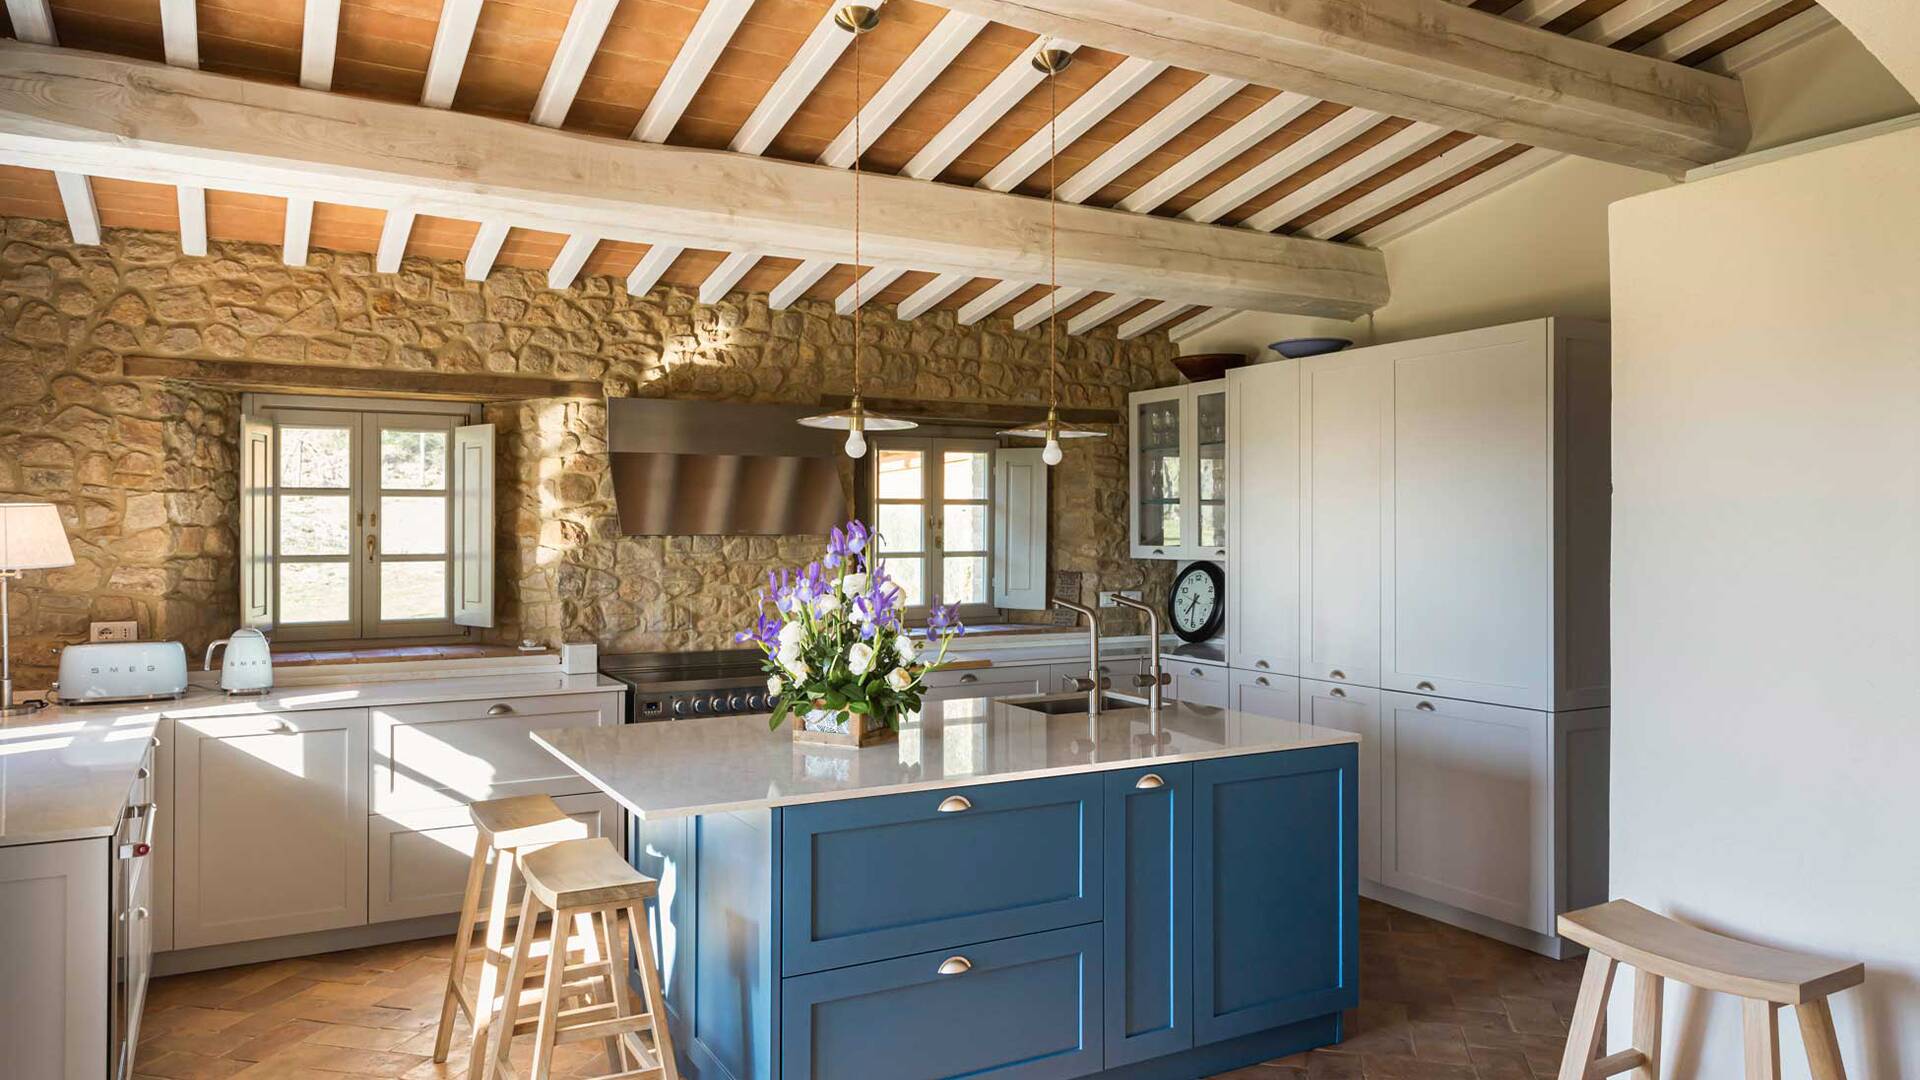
{"x": 31, "y": 538}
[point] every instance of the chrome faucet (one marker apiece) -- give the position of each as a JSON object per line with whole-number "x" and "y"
{"x": 1093, "y": 683}
{"x": 1154, "y": 679}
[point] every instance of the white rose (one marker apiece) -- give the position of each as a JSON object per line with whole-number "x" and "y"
{"x": 789, "y": 654}
{"x": 853, "y": 584}
{"x": 790, "y": 634}
{"x": 905, "y": 648}
{"x": 860, "y": 658}
{"x": 798, "y": 669}
{"x": 826, "y": 605}
{"x": 775, "y": 685}
{"x": 899, "y": 679}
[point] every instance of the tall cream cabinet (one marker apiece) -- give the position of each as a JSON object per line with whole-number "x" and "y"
{"x": 1419, "y": 539}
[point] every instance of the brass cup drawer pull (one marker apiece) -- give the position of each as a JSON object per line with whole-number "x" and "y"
{"x": 1336, "y": 692}
{"x": 500, "y": 709}
{"x": 955, "y": 965}
{"x": 1425, "y": 706}
{"x": 1337, "y": 673}
{"x": 1261, "y": 680}
{"x": 1423, "y": 685}
{"x": 1149, "y": 782}
{"x": 954, "y": 804}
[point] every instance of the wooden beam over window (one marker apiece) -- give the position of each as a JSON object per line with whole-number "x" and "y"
{"x": 1427, "y": 60}
{"x": 135, "y": 120}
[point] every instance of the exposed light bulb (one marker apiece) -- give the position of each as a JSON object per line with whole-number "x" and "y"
{"x": 1051, "y": 455}
{"x": 856, "y": 444}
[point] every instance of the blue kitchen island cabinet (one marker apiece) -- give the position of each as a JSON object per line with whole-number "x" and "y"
{"x": 1173, "y": 911}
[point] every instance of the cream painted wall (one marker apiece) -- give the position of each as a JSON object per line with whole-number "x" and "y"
{"x": 1766, "y": 519}
{"x": 1539, "y": 246}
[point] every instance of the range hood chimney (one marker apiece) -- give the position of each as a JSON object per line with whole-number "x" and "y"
{"x": 711, "y": 468}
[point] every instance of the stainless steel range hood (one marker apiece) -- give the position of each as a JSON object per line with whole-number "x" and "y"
{"x": 711, "y": 468}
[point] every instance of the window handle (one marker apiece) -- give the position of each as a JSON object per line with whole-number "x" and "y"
{"x": 370, "y": 543}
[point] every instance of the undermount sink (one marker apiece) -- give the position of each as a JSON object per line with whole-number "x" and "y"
{"x": 1073, "y": 704}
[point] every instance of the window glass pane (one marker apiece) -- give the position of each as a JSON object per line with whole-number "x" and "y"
{"x": 314, "y": 457}
{"x": 413, "y": 459}
{"x": 900, "y": 474}
{"x": 313, "y": 592}
{"x": 313, "y": 525}
{"x": 966, "y": 528}
{"x": 899, "y": 527}
{"x": 413, "y": 590}
{"x": 413, "y": 524}
{"x": 965, "y": 581}
{"x": 966, "y": 475}
{"x": 906, "y": 573}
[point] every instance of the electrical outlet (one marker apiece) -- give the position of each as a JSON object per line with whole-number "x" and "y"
{"x": 1106, "y": 598}
{"x": 113, "y": 631}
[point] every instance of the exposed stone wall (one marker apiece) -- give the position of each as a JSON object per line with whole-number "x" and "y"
{"x": 145, "y": 471}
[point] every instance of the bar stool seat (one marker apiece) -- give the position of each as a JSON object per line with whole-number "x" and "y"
{"x": 1658, "y": 948}
{"x": 505, "y": 831}
{"x": 588, "y": 879}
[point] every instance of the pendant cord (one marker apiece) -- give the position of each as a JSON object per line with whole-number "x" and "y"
{"x": 1053, "y": 237}
{"x": 858, "y": 146}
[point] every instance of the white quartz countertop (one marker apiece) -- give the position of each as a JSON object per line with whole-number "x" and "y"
{"x": 686, "y": 767}
{"x": 66, "y": 771}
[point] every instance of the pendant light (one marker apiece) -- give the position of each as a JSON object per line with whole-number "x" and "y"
{"x": 855, "y": 420}
{"x": 1051, "y": 62}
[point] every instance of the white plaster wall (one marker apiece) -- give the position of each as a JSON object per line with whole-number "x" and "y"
{"x": 1766, "y": 582}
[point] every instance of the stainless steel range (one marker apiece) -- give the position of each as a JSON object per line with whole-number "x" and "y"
{"x": 682, "y": 685}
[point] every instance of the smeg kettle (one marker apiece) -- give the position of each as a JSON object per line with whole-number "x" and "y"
{"x": 247, "y": 667}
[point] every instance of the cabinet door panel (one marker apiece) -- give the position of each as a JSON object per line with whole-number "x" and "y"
{"x": 1467, "y": 603}
{"x": 446, "y": 755}
{"x": 1025, "y": 1008}
{"x": 1466, "y": 807}
{"x": 418, "y": 859}
{"x": 271, "y": 826}
{"x": 1345, "y": 443}
{"x": 1161, "y": 443}
{"x": 1277, "y": 696}
{"x": 1355, "y": 709}
{"x": 1149, "y": 914}
{"x": 1263, "y": 481}
{"x": 1207, "y": 417}
{"x": 1198, "y": 684}
{"x": 1276, "y": 935}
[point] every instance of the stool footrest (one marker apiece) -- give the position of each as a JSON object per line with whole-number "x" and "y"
{"x": 603, "y": 1029}
{"x": 1615, "y": 1064}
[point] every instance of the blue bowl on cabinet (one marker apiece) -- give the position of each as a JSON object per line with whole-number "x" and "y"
{"x": 1302, "y": 347}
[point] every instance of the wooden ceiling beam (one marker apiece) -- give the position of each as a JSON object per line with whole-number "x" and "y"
{"x": 76, "y": 195}
{"x": 296, "y": 230}
{"x": 1150, "y": 319}
{"x": 129, "y": 119}
{"x": 1425, "y": 60}
{"x": 192, "y": 203}
{"x": 716, "y": 26}
{"x": 586, "y": 25}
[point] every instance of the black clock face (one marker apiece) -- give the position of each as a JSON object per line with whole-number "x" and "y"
{"x": 1198, "y": 602}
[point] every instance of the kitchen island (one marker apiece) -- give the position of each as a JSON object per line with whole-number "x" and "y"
{"x": 1002, "y": 892}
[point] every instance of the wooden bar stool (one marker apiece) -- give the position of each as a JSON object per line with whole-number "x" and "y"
{"x": 506, "y": 830}
{"x": 587, "y": 879}
{"x": 1659, "y": 949}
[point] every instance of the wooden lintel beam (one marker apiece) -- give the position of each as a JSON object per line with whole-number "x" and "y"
{"x": 135, "y": 120}
{"x": 1428, "y": 60}
{"x": 350, "y": 381}
{"x": 972, "y": 413}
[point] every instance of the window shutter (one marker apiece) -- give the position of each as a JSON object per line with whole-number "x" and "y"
{"x": 256, "y": 523}
{"x": 473, "y": 525}
{"x": 1019, "y": 530}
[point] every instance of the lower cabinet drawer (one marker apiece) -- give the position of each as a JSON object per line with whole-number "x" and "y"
{"x": 1025, "y": 1008}
{"x": 417, "y": 860}
{"x": 869, "y": 879}
{"x": 1198, "y": 684}
{"x": 448, "y": 754}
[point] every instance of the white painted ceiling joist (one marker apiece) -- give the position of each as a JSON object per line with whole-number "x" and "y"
{"x": 646, "y": 273}
{"x": 573, "y": 255}
{"x": 1270, "y": 117}
{"x": 319, "y": 38}
{"x": 586, "y": 25}
{"x": 927, "y": 296}
{"x": 865, "y": 288}
{"x": 32, "y": 21}
{"x": 393, "y": 239}
{"x": 83, "y": 218}
{"x": 795, "y": 84}
{"x": 1775, "y": 40}
{"x": 296, "y": 230}
{"x": 485, "y": 249}
{"x": 727, "y": 275}
{"x": 795, "y": 285}
{"x": 1053, "y": 302}
{"x": 1150, "y": 319}
{"x": 180, "y": 32}
{"x": 1098, "y": 315}
{"x": 1628, "y": 18}
{"x": 1404, "y": 187}
{"x": 995, "y": 298}
{"x": 1453, "y": 198}
{"x": 1707, "y": 27}
{"x": 1426, "y": 60}
{"x": 192, "y": 203}
{"x": 1206, "y": 319}
{"x": 1388, "y": 151}
{"x": 716, "y": 26}
{"x": 1291, "y": 158}
{"x": 452, "y": 38}
{"x": 1183, "y": 113}
{"x": 1091, "y": 107}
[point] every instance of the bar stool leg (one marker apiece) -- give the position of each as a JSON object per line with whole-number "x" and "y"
{"x": 499, "y": 906}
{"x": 656, "y": 1000}
{"x": 500, "y": 1045}
{"x": 546, "y": 1032}
{"x": 584, "y": 931}
{"x": 623, "y": 990}
{"x": 457, "y": 969}
{"x": 1648, "y": 991}
{"x": 1589, "y": 1016}
{"x": 1757, "y": 1019}
{"x": 1823, "y": 1046}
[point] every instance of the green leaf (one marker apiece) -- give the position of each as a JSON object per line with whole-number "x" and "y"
{"x": 835, "y": 699}
{"x": 779, "y": 714}
{"x": 859, "y": 707}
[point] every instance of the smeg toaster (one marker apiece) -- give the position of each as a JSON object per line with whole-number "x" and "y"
{"x": 122, "y": 671}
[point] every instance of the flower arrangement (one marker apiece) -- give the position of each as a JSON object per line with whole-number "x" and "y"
{"x": 837, "y": 652}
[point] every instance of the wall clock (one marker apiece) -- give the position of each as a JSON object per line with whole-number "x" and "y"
{"x": 1197, "y": 603}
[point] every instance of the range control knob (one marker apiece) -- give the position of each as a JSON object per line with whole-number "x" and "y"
{"x": 682, "y": 707}
{"x": 703, "y": 706}
{"x": 738, "y": 702}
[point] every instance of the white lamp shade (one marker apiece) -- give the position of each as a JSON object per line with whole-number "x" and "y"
{"x": 32, "y": 538}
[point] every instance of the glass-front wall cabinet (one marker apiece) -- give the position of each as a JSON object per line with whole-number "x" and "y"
{"x": 1179, "y": 483}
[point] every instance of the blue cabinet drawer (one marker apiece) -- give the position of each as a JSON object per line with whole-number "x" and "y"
{"x": 1025, "y": 1008}
{"x": 871, "y": 879}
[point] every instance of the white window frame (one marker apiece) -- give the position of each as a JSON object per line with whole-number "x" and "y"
{"x": 933, "y": 501}
{"x": 363, "y": 418}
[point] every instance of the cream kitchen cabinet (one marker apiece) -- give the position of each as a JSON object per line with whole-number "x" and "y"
{"x": 1263, "y": 486}
{"x": 1179, "y": 472}
{"x": 1000, "y": 680}
{"x": 1346, "y": 409}
{"x": 418, "y": 859}
{"x": 270, "y": 831}
{"x": 444, "y": 755}
{"x": 1262, "y": 694}
{"x": 1197, "y": 684}
{"x": 1355, "y": 709}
